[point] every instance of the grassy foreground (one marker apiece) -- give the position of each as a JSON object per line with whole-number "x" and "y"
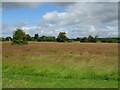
{"x": 60, "y": 65}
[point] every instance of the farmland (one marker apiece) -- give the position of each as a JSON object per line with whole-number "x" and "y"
{"x": 60, "y": 65}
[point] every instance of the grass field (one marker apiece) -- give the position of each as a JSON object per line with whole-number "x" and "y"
{"x": 60, "y": 65}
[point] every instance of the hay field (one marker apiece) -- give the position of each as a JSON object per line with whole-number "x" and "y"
{"x": 60, "y": 65}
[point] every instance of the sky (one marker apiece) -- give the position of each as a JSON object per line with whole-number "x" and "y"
{"x": 77, "y": 19}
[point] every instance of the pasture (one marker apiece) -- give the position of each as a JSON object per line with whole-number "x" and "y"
{"x": 60, "y": 65}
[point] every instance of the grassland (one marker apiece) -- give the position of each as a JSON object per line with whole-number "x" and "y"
{"x": 60, "y": 65}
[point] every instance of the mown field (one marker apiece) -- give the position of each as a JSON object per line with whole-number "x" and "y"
{"x": 60, "y": 65}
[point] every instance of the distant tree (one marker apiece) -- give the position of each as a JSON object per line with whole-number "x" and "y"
{"x": 28, "y": 37}
{"x": 39, "y": 39}
{"x": 33, "y": 39}
{"x": 118, "y": 40}
{"x": 44, "y": 38}
{"x": 77, "y": 39}
{"x": 8, "y": 39}
{"x": 90, "y": 38}
{"x": 50, "y": 38}
{"x": 19, "y": 37}
{"x": 70, "y": 40}
{"x": 104, "y": 40}
{"x": 3, "y": 39}
{"x": 84, "y": 39}
{"x": 62, "y": 37}
{"x": 0, "y": 38}
{"x": 36, "y": 36}
{"x": 110, "y": 40}
{"x": 96, "y": 38}
{"x": 47, "y": 38}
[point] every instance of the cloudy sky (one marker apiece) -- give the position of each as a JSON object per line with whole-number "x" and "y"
{"x": 77, "y": 19}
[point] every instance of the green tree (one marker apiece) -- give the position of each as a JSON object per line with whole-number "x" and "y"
{"x": 96, "y": 39}
{"x": 36, "y": 36}
{"x": 62, "y": 37}
{"x": 77, "y": 39}
{"x": 19, "y": 37}
{"x": 33, "y": 39}
{"x": 103, "y": 40}
{"x": 28, "y": 37}
{"x": 8, "y": 39}
{"x": 47, "y": 38}
{"x": 90, "y": 38}
{"x": 84, "y": 39}
{"x": 3, "y": 39}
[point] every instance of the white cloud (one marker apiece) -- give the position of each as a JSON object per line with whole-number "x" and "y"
{"x": 89, "y": 18}
{"x": 92, "y": 30}
{"x": 85, "y": 13}
{"x": 79, "y": 19}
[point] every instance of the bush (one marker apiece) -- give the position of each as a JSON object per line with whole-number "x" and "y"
{"x": 19, "y": 37}
{"x": 62, "y": 37}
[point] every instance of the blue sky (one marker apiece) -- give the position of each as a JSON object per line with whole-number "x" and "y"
{"x": 25, "y": 14}
{"x": 76, "y": 19}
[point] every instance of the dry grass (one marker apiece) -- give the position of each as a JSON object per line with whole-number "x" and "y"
{"x": 62, "y": 60}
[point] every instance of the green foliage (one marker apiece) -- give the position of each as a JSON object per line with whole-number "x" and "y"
{"x": 69, "y": 40}
{"x": 19, "y": 37}
{"x": 84, "y": 39}
{"x": 95, "y": 39}
{"x": 109, "y": 40}
{"x": 36, "y": 36}
{"x": 119, "y": 41}
{"x": 28, "y": 37}
{"x": 33, "y": 39}
{"x": 90, "y": 38}
{"x": 47, "y": 38}
{"x": 62, "y": 37}
{"x": 3, "y": 39}
{"x": 8, "y": 39}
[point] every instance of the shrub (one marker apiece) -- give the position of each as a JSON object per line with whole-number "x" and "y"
{"x": 19, "y": 37}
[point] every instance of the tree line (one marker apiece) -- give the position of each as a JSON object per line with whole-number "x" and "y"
{"x": 19, "y": 37}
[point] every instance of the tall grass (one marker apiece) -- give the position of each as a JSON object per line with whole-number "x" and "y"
{"x": 60, "y": 67}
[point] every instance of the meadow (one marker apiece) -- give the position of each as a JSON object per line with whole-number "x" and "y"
{"x": 60, "y": 65}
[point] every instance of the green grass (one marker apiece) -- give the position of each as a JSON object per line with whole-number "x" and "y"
{"x": 56, "y": 76}
{"x": 58, "y": 69}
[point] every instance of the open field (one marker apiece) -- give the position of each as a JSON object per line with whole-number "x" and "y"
{"x": 60, "y": 65}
